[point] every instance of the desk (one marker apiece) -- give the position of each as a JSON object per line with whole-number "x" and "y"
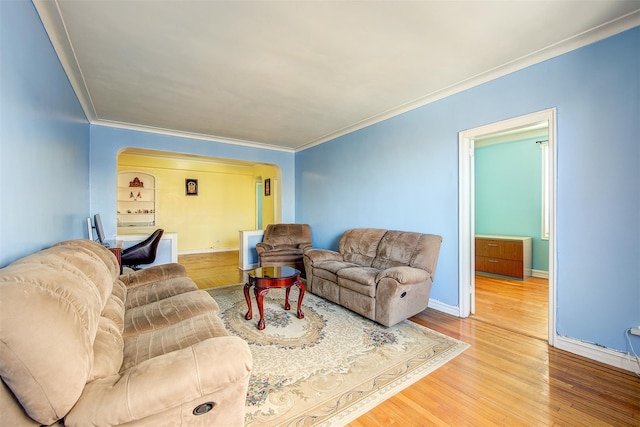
{"x": 116, "y": 248}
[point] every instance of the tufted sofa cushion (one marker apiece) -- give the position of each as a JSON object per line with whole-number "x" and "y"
{"x": 82, "y": 344}
{"x": 400, "y": 248}
{"x": 47, "y": 351}
{"x": 360, "y": 245}
{"x": 384, "y": 275}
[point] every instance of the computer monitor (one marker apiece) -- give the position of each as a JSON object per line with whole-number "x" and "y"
{"x": 97, "y": 225}
{"x": 97, "y": 222}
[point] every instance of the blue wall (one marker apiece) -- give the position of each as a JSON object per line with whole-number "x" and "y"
{"x": 107, "y": 142}
{"x": 44, "y": 140}
{"x": 508, "y": 194}
{"x": 403, "y": 174}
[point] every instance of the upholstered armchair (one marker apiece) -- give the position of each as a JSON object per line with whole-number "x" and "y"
{"x": 284, "y": 245}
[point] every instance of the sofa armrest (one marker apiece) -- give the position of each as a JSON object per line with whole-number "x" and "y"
{"x": 262, "y": 247}
{"x": 305, "y": 246}
{"x": 164, "y": 382}
{"x": 403, "y": 275}
{"x": 317, "y": 255}
{"x": 153, "y": 274}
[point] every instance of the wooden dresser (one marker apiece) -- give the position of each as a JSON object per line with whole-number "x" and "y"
{"x": 504, "y": 255}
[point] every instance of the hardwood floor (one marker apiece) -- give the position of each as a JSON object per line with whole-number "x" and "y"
{"x": 211, "y": 270}
{"x": 507, "y": 377}
{"x": 517, "y": 305}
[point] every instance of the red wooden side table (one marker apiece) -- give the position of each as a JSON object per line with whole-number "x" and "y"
{"x": 265, "y": 278}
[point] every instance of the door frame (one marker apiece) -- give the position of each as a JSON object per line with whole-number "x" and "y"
{"x": 466, "y": 211}
{"x": 258, "y": 190}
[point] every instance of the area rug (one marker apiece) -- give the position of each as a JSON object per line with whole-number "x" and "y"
{"x": 330, "y": 367}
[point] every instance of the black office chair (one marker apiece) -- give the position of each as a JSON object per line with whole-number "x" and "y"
{"x": 143, "y": 252}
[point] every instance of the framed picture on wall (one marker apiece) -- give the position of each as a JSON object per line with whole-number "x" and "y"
{"x": 191, "y": 187}
{"x": 267, "y": 187}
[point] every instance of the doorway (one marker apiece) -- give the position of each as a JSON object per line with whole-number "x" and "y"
{"x": 467, "y": 140}
{"x": 225, "y": 201}
{"x": 259, "y": 203}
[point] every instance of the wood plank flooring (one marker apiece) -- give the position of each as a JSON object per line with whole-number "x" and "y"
{"x": 211, "y": 270}
{"x": 507, "y": 377}
{"x": 520, "y": 306}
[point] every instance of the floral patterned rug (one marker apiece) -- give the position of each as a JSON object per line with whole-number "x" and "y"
{"x": 330, "y": 367}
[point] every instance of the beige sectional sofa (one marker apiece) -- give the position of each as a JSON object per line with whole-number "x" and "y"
{"x": 384, "y": 275}
{"x": 82, "y": 344}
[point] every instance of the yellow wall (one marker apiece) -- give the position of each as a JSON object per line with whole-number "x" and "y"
{"x": 269, "y": 208}
{"x": 225, "y": 204}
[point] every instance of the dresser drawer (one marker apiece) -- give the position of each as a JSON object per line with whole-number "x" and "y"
{"x": 504, "y": 249}
{"x": 504, "y": 255}
{"x": 503, "y": 267}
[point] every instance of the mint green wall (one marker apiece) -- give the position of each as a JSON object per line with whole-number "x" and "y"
{"x": 508, "y": 194}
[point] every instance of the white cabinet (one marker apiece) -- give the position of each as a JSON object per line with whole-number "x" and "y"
{"x": 248, "y": 256}
{"x": 137, "y": 199}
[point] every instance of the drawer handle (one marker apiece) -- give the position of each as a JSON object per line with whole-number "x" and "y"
{"x": 493, "y": 260}
{"x": 492, "y": 244}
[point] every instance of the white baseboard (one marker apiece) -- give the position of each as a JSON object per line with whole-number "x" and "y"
{"x": 445, "y": 308}
{"x": 205, "y": 251}
{"x": 540, "y": 273}
{"x": 253, "y": 266}
{"x": 604, "y": 355}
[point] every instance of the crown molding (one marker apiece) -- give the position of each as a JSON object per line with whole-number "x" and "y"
{"x": 601, "y": 32}
{"x": 190, "y": 135}
{"x": 54, "y": 25}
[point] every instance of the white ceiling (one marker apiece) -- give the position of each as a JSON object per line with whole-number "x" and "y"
{"x": 292, "y": 74}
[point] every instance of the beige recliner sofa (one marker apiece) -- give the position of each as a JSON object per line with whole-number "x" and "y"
{"x": 384, "y": 275}
{"x": 82, "y": 344}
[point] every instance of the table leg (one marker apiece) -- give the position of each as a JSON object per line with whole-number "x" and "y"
{"x": 260, "y": 293}
{"x": 286, "y": 298}
{"x": 300, "y": 285}
{"x": 249, "y": 314}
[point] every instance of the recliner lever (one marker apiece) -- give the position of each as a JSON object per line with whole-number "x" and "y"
{"x": 203, "y": 408}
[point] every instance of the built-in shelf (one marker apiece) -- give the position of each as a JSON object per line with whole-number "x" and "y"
{"x": 137, "y": 200}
